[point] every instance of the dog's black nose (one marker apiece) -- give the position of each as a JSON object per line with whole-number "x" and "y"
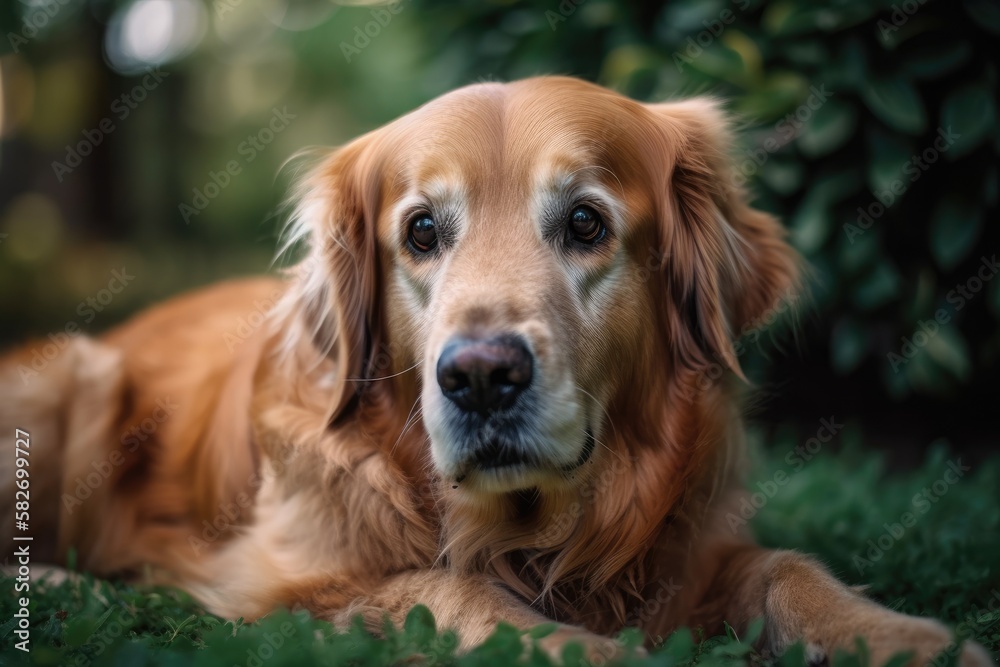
{"x": 483, "y": 375}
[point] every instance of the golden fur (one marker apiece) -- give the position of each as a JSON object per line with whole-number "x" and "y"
{"x": 305, "y": 462}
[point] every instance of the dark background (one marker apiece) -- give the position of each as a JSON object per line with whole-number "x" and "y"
{"x": 892, "y": 75}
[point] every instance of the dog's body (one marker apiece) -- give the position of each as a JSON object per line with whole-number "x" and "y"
{"x": 478, "y": 392}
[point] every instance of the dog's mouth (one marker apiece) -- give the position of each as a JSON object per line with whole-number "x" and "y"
{"x": 502, "y": 461}
{"x": 498, "y": 454}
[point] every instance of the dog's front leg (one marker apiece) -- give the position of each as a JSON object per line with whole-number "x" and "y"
{"x": 471, "y": 605}
{"x": 799, "y": 599}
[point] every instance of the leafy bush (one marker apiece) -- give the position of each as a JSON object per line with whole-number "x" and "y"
{"x": 842, "y": 99}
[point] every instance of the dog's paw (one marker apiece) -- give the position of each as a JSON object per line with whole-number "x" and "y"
{"x": 887, "y": 634}
{"x": 930, "y": 642}
{"x": 974, "y": 655}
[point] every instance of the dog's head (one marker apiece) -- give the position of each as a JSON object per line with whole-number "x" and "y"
{"x": 530, "y": 253}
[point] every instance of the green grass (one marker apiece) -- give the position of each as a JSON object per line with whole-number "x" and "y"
{"x": 947, "y": 565}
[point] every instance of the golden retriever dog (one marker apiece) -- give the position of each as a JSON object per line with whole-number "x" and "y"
{"x": 492, "y": 385}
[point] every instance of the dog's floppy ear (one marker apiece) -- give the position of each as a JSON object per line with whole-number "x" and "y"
{"x": 728, "y": 265}
{"x": 331, "y": 309}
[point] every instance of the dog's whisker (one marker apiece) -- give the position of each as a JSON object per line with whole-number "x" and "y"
{"x": 599, "y": 404}
{"x": 600, "y": 168}
{"x": 384, "y": 377}
{"x": 411, "y": 419}
{"x": 613, "y": 452}
{"x": 610, "y": 421}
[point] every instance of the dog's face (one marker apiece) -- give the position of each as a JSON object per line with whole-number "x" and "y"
{"x": 510, "y": 275}
{"x": 533, "y": 250}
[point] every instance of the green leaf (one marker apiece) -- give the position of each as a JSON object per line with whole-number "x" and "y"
{"x": 778, "y": 95}
{"x": 735, "y": 649}
{"x": 543, "y": 630}
{"x": 754, "y": 630}
{"x": 810, "y": 52}
{"x": 630, "y": 638}
{"x": 690, "y": 17}
{"x": 955, "y": 226}
{"x": 505, "y": 640}
{"x": 794, "y": 656}
{"x": 899, "y": 659}
{"x": 971, "y": 112}
{"x": 79, "y": 630}
{"x": 949, "y": 350}
{"x": 896, "y": 103}
{"x": 573, "y": 654}
{"x": 801, "y": 20}
{"x": 812, "y": 222}
{"x": 832, "y": 124}
{"x": 878, "y": 288}
{"x": 784, "y": 177}
{"x": 679, "y": 646}
{"x": 419, "y": 625}
{"x": 888, "y": 154}
{"x": 537, "y": 658}
{"x": 849, "y": 343}
{"x": 103, "y": 618}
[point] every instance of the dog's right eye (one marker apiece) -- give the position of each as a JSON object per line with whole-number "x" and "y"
{"x": 423, "y": 234}
{"x": 586, "y": 226}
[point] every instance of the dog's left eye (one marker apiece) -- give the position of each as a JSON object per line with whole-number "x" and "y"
{"x": 423, "y": 234}
{"x": 586, "y": 225}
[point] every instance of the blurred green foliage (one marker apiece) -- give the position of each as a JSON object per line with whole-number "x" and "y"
{"x": 841, "y": 103}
